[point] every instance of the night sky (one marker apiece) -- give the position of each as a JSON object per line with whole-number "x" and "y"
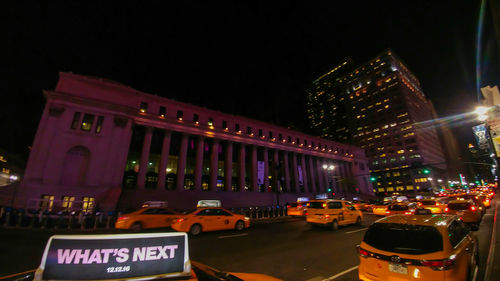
{"x": 251, "y": 58}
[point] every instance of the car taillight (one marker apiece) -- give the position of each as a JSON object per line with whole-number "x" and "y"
{"x": 362, "y": 252}
{"x": 180, "y": 220}
{"x": 122, "y": 218}
{"x": 409, "y": 212}
{"x": 387, "y": 212}
{"x": 327, "y": 216}
{"x": 472, "y": 208}
{"x": 487, "y": 200}
{"x": 307, "y": 213}
{"x": 419, "y": 204}
{"x": 446, "y": 209}
{"x": 439, "y": 264}
{"x": 288, "y": 206}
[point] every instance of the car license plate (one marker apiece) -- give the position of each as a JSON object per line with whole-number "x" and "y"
{"x": 398, "y": 268}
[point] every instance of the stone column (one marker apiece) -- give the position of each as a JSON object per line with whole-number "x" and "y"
{"x": 214, "y": 165}
{"x": 143, "y": 165}
{"x": 319, "y": 173}
{"x": 165, "y": 149}
{"x": 266, "y": 169}
{"x": 304, "y": 173}
{"x": 241, "y": 162}
{"x": 276, "y": 173}
{"x": 312, "y": 174}
{"x": 253, "y": 159}
{"x": 295, "y": 173}
{"x": 181, "y": 167}
{"x": 286, "y": 166}
{"x": 198, "y": 168}
{"x": 228, "y": 167}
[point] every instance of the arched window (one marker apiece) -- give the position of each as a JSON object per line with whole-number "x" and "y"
{"x": 75, "y": 166}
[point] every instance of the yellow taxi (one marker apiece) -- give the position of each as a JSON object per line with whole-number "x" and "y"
{"x": 431, "y": 204}
{"x": 466, "y": 210}
{"x": 332, "y": 213}
{"x": 208, "y": 218}
{"x": 418, "y": 247}
{"x": 485, "y": 200}
{"x": 400, "y": 209}
{"x": 149, "y": 217}
{"x": 379, "y": 209}
{"x": 296, "y": 209}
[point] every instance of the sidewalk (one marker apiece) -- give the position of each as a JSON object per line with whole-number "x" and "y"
{"x": 493, "y": 263}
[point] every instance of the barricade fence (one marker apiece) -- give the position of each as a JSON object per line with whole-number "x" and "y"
{"x": 92, "y": 220}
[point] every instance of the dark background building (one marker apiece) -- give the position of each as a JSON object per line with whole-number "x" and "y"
{"x": 380, "y": 106}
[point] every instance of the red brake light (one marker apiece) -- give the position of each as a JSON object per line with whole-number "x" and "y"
{"x": 122, "y": 218}
{"x": 299, "y": 206}
{"x": 307, "y": 213}
{"x": 439, "y": 264}
{"x": 288, "y": 206}
{"x": 327, "y": 216}
{"x": 446, "y": 209}
{"x": 387, "y": 212}
{"x": 180, "y": 220}
{"x": 363, "y": 253}
{"x": 408, "y": 213}
{"x": 472, "y": 208}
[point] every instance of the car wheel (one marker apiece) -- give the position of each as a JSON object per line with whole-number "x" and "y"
{"x": 195, "y": 229}
{"x": 137, "y": 226}
{"x": 334, "y": 225}
{"x": 358, "y": 221}
{"x": 240, "y": 225}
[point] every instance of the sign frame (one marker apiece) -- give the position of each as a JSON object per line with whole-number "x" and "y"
{"x": 186, "y": 267}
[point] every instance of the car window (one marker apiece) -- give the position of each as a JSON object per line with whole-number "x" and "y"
{"x": 207, "y": 212}
{"x": 334, "y": 205}
{"x": 459, "y": 206}
{"x": 349, "y": 206}
{"x": 316, "y": 205}
{"x": 220, "y": 212}
{"x": 457, "y": 232}
{"x": 150, "y": 211}
{"x": 165, "y": 212}
{"x": 398, "y": 207}
{"x": 404, "y": 238}
{"x": 428, "y": 203}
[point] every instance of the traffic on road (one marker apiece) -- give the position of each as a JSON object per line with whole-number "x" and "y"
{"x": 430, "y": 238}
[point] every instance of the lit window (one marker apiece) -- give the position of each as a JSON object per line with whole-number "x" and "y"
{"x": 237, "y": 128}
{"x": 211, "y": 123}
{"x": 88, "y": 204}
{"x": 47, "y": 202}
{"x": 67, "y": 202}
{"x": 196, "y": 119}
{"x": 88, "y": 120}
{"x": 76, "y": 120}
{"x": 98, "y": 126}
{"x": 224, "y": 124}
{"x": 180, "y": 114}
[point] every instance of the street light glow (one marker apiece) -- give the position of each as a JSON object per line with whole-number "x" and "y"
{"x": 325, "y": 166}
{"x": 482, "y": 117}
{"x": 481, "y": 110}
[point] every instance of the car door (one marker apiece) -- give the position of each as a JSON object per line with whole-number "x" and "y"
{"x": 349, "y": 211}
{"x": 164, "y": 217}
{"x": 224, "y": 220}
{"x": 206, "y": 219}
{"x": 463, "y": 247}
{"x": 148, "y": 218}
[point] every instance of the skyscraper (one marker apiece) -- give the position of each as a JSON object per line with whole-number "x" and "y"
{"x": 380, "y": 106}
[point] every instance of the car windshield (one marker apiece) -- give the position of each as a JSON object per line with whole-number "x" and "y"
{"x": 398, "y": 207}
{"x": 459, "y": 206}
{"x": 404, "y": 238}
{"x": 316, "y": 205}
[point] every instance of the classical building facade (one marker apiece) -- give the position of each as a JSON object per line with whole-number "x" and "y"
{"x": 103, "y": 144}
{"x": 380, "y": 106}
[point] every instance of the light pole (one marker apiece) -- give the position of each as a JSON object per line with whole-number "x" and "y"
{"x": 329, "y": 168}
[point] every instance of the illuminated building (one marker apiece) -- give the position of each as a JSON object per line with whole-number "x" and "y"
{"x": 103, "y": 143}
{"x": 380, "y": 107}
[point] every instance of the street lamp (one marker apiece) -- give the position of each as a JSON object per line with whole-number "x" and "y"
{"x": 328, "y": 169}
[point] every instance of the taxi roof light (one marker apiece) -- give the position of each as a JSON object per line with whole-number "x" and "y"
{"x": 208, "y": 203}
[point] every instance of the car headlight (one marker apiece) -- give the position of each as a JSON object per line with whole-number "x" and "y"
{"x": 247, "y": 218}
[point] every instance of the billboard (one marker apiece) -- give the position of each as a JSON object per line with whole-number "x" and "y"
{"x": 115, "y": 257}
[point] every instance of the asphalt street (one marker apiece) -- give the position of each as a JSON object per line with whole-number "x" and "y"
{"x": 290, "y": 250}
